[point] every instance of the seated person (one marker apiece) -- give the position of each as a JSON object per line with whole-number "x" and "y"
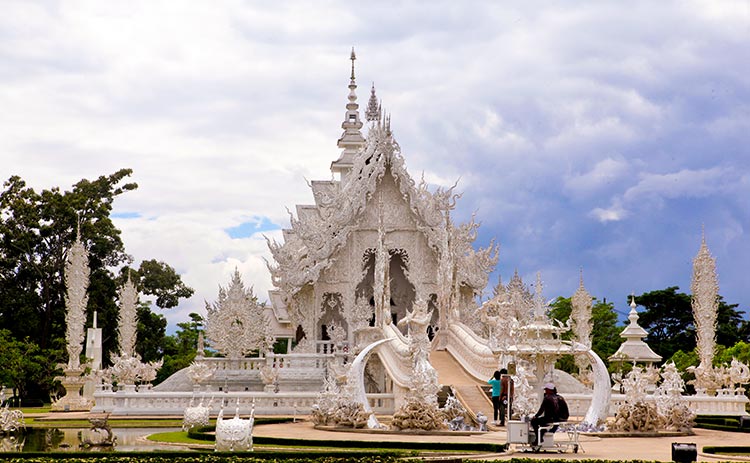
{"x": 549, "y": 411}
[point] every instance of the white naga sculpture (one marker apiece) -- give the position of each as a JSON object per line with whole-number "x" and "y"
{"x": 76, "y": 281}
{"x": 236, "y": 324}
{"x": 235, "y": 434}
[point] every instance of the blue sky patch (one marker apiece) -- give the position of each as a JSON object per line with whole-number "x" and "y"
{"x": 249, "y": 228}
{"x": 126, "y": 215}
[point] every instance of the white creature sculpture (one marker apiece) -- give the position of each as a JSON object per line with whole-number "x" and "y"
{"x": 196, "y": 415}
{"x": 234, "y": 434}
{"x": 739, "y": 374}
{"x": 11, "y": 420}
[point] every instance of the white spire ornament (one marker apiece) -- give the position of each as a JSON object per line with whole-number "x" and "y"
{"x": 128, "y": 317}
{"x": 705, "y": 302}
{"x": 580, "y": 316}
{"x": 351, "y": 141}
{"x": 76, "y": 281}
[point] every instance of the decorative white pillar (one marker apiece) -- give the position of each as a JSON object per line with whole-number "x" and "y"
{"x": 705, "y": 302}
{"x": 76, "y": 281}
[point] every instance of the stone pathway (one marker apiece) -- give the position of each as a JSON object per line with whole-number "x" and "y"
{"x": 615, "y": 448}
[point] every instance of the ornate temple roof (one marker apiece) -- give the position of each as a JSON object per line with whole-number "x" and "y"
{"x": 318, "y": 231}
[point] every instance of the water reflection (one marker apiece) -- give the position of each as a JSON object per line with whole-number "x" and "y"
{"x": 57, "y": 440}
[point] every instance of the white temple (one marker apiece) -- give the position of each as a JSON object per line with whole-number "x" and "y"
{"x": 375, "y": 256}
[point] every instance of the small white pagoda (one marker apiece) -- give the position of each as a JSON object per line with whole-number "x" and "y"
{"x": 634, "y": 348}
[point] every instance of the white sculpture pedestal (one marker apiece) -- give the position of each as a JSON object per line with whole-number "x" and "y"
{"x": 73, "y": 382}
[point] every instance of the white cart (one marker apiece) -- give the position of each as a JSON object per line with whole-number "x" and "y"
{"x": 520, "y": 435}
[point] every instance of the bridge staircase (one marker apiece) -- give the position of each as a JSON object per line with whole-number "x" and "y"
{"x": 468, "y": 389}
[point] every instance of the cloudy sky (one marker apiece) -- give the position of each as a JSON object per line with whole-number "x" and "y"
{"x": 594, "y": 135}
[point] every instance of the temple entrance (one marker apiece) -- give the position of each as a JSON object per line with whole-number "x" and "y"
{"x": 402, "y": 291}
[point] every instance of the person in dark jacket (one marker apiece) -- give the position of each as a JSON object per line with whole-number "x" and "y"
{"x": 547, "y": 411}
{"x": 506, "y": 395}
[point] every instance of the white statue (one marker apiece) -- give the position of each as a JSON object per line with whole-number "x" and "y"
{"x": 670, "y": 403}
{"x": 11, "y": 420}
{"x": 739, "y": 374}
{"x": 197, "y": 415}
{"x": 200, "y": 372}
{"x": 635, "y": 413}
{"x": 235, "y": 434}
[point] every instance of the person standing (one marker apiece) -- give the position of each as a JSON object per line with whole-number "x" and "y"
{"x": 497, "y": 388}
{"x": 506, "y": 395}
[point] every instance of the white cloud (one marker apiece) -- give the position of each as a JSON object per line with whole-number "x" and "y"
{"x": 615, "y": 213}
{"x": 685, "y": 183}
{"x": 604, "y": 174}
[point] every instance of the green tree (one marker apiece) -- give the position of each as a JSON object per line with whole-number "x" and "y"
{"x": 668, "y": 318}
{"x": 181, "y": 349}
{"x": 25, "y": 364}
{"x": 739, "y": 351}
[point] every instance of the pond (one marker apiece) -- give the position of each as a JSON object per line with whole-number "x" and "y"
{"x": 69, "y": 439}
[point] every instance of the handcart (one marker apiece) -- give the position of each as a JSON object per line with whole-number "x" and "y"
{"x": 555, "y": 437}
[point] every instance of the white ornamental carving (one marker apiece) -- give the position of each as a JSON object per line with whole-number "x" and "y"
{"x": 128, "y": 318}
{"x": 705, "y": 302}
{"x": 580, "y": 317}
{"x": 200, "y": 372}
{"x": 76, "y": 281}
{"x": 236, "y": 324}
{"x": 11, "y": 420}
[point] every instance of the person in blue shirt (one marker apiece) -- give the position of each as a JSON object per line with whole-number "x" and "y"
{"x": 497, "y": 388}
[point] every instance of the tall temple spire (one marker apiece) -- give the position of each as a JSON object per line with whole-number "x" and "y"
{"x": 351, "y": 140}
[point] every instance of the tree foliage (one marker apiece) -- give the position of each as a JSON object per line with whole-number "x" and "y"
{"x": 668, "y": 318}
{"x": 180, "y": 350}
